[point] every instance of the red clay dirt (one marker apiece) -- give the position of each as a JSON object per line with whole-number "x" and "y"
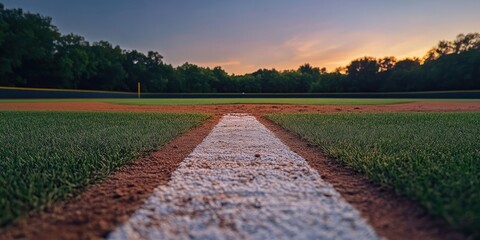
{"x": 257, "y": 109}
{"x": 97, "y": 210}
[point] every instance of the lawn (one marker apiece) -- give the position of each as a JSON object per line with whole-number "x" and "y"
{"x": 197, "y": 101}
{"x": 50, "y": 156}
{"x": 433, "y": 158}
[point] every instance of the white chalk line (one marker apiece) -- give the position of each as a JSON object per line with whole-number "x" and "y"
{"x": 223, "y": 191}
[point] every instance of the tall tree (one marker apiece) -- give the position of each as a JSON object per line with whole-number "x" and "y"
{"x": 27, "y": 44}
{"x": 386, "y": 64}
{"x": 362, "y": 73}
{"x": 105, "y": 66}
{"x": 72, "y": 58}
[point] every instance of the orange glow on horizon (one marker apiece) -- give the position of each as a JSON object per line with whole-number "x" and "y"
{"x": 323, "y": 50}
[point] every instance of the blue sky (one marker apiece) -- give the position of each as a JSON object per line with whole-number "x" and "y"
{"x": 245, "y": 35}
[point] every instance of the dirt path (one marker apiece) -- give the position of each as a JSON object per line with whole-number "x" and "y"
{"x": 255, "y": 109}
{"x": 242, "y": 182}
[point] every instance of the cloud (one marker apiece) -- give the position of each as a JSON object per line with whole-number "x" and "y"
{"x": 329, "y": 49}
{"x": 218, "y": 63}
{"x": 332, "y": 49}
{"x": 323, "y": 48}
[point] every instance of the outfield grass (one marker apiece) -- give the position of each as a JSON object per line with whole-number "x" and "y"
{"x": 433, "y": 158}
{"x": 49, "y": 156}
{"x": 190, "y": 101}
{"x": 197, "y": 101}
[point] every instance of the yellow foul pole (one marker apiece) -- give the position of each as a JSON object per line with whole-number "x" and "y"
{"x": 138, "y": 88}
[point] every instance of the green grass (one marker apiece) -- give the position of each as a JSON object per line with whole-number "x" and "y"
{"x": 197, "y": 101}
{"x": 190, "y": 101}
{"x": 50, "y": 156}
{"x": 433, "y": 158}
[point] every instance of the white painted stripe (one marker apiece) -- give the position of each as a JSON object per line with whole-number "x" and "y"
{"x": 222, "y": 191}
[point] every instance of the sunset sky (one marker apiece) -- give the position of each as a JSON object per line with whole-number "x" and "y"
{"x": 245, "y": 35}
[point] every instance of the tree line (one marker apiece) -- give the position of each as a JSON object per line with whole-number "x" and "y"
{"x": 33, "y": 53}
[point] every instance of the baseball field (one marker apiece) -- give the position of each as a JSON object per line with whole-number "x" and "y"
{"x": 394, "y": 168}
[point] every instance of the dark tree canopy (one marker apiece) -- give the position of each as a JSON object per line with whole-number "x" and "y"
{"x": 33, "y": 53}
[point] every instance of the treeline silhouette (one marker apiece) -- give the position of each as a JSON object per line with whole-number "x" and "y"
{"x": 33, "y": 53}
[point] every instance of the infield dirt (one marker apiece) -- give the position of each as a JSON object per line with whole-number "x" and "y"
{"x": 254, "y": 109}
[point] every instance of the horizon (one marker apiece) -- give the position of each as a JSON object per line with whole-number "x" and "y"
{"x": 243, "y": 37}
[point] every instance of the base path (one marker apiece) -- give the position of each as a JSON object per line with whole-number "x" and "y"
{"x": 254, "y": 109}
{"x": 242, "y": 182}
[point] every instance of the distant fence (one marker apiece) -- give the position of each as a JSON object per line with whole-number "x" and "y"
{"x": 20, "y": 93}
{"x": 25, "y": 93}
